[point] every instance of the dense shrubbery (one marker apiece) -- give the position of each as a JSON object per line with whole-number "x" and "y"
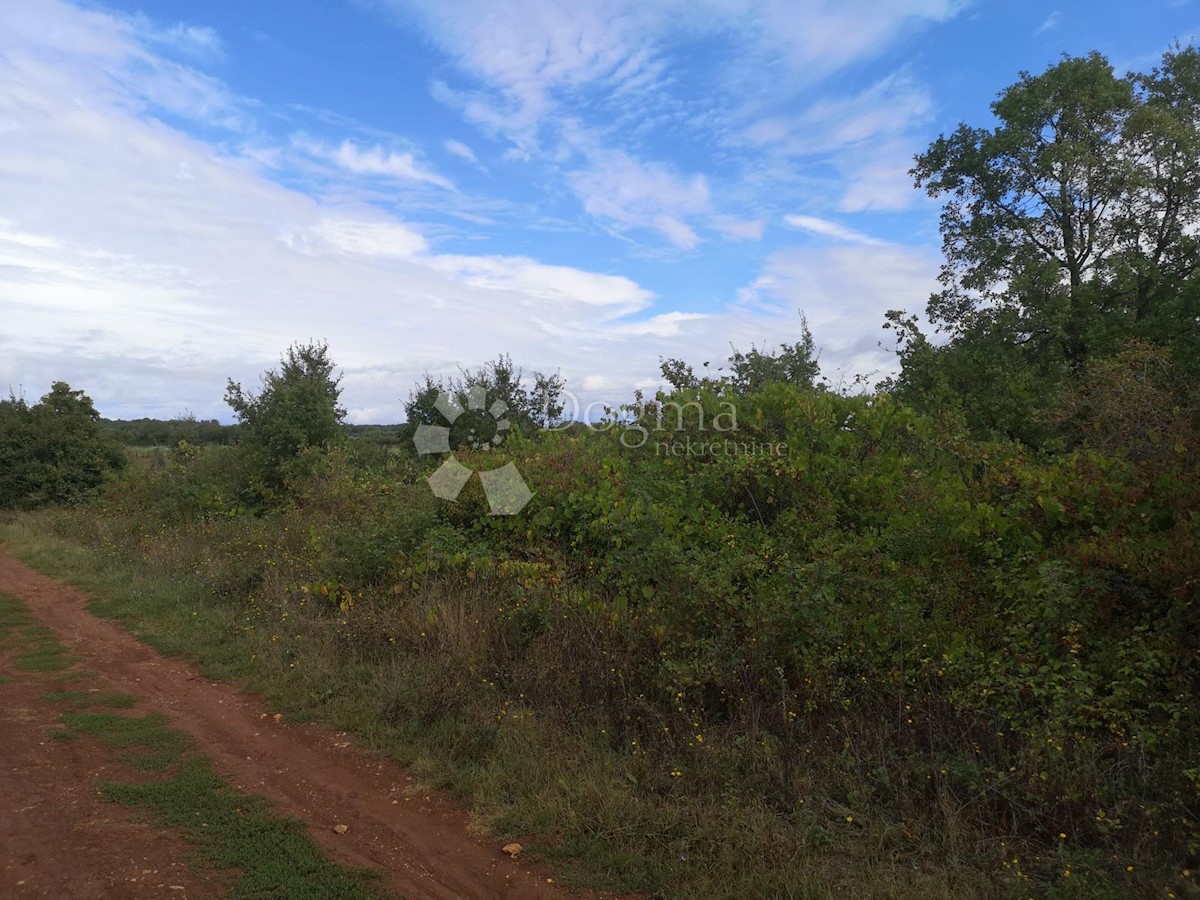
{"x": 960, "y": 640}
{"x": 53, "y": 451}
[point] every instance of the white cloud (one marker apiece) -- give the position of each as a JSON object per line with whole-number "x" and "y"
{"x": 821, "y": 36}
{"x": 636, "y": 194}
{"x": 1051, "y": 22}
{"x": 523, "y": 53}
{"x": 582, "y": 83}
{"x": 146, "y": 265}
{"x": 739, "y": 229}
{"x": 881, "y": 182}
{"x": 825, "y": 228}
{"x": 192, "y": 40}
{"x": 890, "y": 106}
{"x": 375, "y": 160}
{"x": 461, "y": 150}
{"x": 531, "y": 73}
{"x": 597, "y": 383}
{"x": 380, "y": 238}
{"x": 528, "y": 54}
{"x": 665, "y": 325}
{"x": 148, "y": 289}
{"x": 844, "y": 293}
{"x": 529, "y": 280}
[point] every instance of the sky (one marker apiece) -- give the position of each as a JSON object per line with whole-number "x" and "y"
{"x": 187, "y": 188}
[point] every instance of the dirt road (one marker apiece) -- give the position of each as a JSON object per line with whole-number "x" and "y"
{"x": 58, "y": 840}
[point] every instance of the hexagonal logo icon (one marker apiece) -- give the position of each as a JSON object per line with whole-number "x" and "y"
{"x": 506, "y": 491}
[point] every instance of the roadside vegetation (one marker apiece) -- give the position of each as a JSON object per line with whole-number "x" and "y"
{"x": 942, "y": 644}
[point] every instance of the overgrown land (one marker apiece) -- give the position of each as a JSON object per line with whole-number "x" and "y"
{"x": 944, "y": 644}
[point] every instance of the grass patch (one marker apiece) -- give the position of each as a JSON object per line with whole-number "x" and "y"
{"x": 44, "y": 658}
{"x": 39, "y": 650}
{"x": 13, "y": 615}
{"x": 150, "y": 732}
{"x": 273, "y": 855}
{"x": 85, "y": 699}
{"x": 159, "y": 746}
{"x": 62, "y": 735}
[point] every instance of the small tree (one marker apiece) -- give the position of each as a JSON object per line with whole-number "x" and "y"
{"x": 297, "y": 408}
{"x": 55, "y": 451}
{"x": 796, "y": 364}
{"x": 526, "y": 407}
{"x": 754, "y": 369}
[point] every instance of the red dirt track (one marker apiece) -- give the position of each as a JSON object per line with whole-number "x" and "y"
{"x": 57, "y": 839}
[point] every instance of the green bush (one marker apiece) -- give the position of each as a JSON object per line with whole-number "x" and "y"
{"x": 54, "y": 451}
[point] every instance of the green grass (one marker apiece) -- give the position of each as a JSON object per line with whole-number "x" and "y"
{"x": 42, "y": 653}
{"x": 13, "y": 615}
{"x": 272, "y": 855}
{"x": 151, "y": 732}
{"x": 37, "y": 649}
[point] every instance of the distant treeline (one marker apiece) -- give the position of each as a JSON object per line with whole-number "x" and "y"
{"x": 205, "y": 432}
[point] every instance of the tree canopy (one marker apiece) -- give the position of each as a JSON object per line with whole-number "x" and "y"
{"x": 1069, "y": 229}
{"x": 1071, "y": 214}
{"x": 796, "y": 363}
{"x": 54, "y": 451}
{"x": 297, "y": 407}
{"x": 527, "y": 403}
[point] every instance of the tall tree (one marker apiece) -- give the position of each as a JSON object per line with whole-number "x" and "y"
{"x": 1032, "y": 204}
{"x": 1157, "y": 247}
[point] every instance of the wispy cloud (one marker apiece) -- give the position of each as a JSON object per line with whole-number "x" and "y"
{"x": 841, "y": 288}
{"x": 537, "y": 75}
{"x": 199, "y": 41}
{"x": 527, "y": 55}
{"x": 374, "y": 160}
{"x": 631, "y": 193}
{"x": 825, "y": 228}
{"x": 461, "y": 150}
{"x": 1052, "y": 21}
{"x": 377, "y": 238}
{"x": 738, "y": 229}
{"x": 877, "y": 178}
{"x": 890, "y": 106}
{"x": 128, "y": 230}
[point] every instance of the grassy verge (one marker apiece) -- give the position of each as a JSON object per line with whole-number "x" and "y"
{"x": 606, "y": 816}
{"x": 236, "y": 834}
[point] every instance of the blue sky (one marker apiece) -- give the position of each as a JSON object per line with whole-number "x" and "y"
{"x": 186, "y": 188}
